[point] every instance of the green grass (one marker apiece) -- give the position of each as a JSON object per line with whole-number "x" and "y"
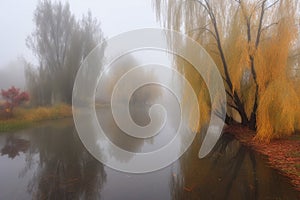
{"x": 23, "y": 118}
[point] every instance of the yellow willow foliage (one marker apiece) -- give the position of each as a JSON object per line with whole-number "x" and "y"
{"x": 271, "y": 54}
{"x": 271, "y": 58}
{"x": 278, "y": 103}
{"x": 296, "y": 84}
{"x": 211, "y": 48}
{"x": 277, "y": 111}
{"x": 204, "y": 109}
{"x": 297, "y": 125}
{"x": 200, "y": 89}
{"x": 236, "y": 49}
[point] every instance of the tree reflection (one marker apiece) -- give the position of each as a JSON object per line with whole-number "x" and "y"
{"x": 65, "y": 169}
{"x": 13, "y": 146}
{"x": 231, "y": 171}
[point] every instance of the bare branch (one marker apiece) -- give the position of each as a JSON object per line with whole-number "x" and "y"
{"x": 232, "y": 106}
{"x": 269, "y": 26}
{"x": 260, "y": 24}
{"x": 259, "y": 3}
{"x": 205, "y": 29}
{"x": 202, "y": 4}
{"x": 273, "y": 4}
{"x": 229, "y": 94}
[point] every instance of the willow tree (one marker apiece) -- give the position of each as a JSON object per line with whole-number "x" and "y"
{"x": 252, "y": 43}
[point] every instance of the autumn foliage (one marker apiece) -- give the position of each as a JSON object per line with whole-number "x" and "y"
{"x": 13, "y": 97}
{"x": 255, "y": 44}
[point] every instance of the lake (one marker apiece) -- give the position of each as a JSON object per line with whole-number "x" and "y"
{"x": 49, "y": 161}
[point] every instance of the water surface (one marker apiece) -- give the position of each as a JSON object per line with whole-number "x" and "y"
{"x": 50, "y": 162}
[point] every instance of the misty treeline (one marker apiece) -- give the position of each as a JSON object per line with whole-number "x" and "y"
{"x": 255, "y": 44}
{"x": 60, "y": 42}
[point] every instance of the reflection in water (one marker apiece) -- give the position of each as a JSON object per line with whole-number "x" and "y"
{"x": 51, "y": 163}
{"x": 65, "y": 169}
{"x": 14, "y": 146}
{"x": 231, "y": 171}
{"x": 62, "y": 168}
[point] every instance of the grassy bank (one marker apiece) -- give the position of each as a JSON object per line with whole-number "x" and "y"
{"x": 282, "y": 154}
{"x": 27, "y": 117}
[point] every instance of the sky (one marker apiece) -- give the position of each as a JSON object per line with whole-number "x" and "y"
{"x": 115, "y": 16}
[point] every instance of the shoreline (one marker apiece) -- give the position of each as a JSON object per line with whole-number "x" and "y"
{"x": 282, "y": 155}
{"x": 25, "y": 118}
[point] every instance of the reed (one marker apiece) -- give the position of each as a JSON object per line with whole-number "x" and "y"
{"x": 24, "y": 117}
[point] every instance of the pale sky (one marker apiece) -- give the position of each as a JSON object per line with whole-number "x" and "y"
{"x": 116, "y": 16}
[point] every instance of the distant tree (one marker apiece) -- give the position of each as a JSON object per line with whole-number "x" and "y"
{"x": 60, "y": 43}
{"x": 13, "y": 98}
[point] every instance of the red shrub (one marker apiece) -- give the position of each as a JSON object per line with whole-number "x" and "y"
{"x": 13, "y": 98}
